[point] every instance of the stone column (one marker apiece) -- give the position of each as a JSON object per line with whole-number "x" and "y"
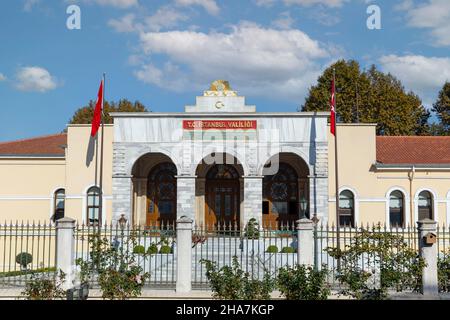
{"x": 65, "y": 250}
{"x": 184, "y": 254}
{"x": 186, "y": 196}
{"x": 122, "y": 197}
{"x": 429, "y": 253}
{"x": 305, "y": 247}
{"x": 252, "y": 199}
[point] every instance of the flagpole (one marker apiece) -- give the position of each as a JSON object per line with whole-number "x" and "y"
{"x": 336, "y": 166}
{"x": 100, "y": 214}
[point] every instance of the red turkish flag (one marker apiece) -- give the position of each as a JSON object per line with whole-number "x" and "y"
{"x": 333, "y": 110}
{"x": 97, "y": 118}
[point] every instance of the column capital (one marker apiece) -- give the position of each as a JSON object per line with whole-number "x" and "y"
{"x": 253, "y": 177}
{"x": 185, "y": 177}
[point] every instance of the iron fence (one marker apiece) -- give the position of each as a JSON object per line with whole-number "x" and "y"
{"x": 26, "y": 249}
{"x": 257, "y": 252}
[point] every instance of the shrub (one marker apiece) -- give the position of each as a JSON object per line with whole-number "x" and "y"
{"x": 24, "y": 259}
{"x": 303, "y": 283}
{"x": 287, "y": 250}
{"x": 399, "y": 267}
{"x": 119, "y": 276}
{"x": 165, "y": 250}
{"x": 42, "y": 288}
{"x": 252, "y": 229}
{"x": 444, "y": 272}
{"x": 272, "y": 249}
{"x": 153, "y": 249}
{"x": 139, "y": 249}
{"x": 232, "y": 283}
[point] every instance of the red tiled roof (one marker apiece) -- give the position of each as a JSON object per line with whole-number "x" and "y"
{"x": 50, "y": 145}
{"x": 413, "y": 150}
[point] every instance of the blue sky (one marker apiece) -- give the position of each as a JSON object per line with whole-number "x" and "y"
{"x": 164, "y": 53}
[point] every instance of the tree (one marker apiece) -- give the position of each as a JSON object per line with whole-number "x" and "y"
{"x": 84, "y": 114}
{"x": 369, "y": 97}
{"x": 442, "y": 109}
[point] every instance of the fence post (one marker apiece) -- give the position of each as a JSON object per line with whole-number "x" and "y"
{"x": 428, "y": 251}
{"x": 65, "y": 246}
{"x": 305, "y": 246}
{"x": 184, "y": 254}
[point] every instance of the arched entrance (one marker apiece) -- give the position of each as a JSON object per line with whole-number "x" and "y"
{"x": 222, "y": 195}
{"x": 286, "y": 191}
{"x": 162, "y": 195}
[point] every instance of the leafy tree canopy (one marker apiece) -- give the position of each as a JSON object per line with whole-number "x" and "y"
{"x": 84, "y": 114}
{"x": 442, "y": 109}
{"x": 369, "y": 96}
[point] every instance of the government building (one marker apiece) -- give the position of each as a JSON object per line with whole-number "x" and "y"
{"x": 221, "y": 161}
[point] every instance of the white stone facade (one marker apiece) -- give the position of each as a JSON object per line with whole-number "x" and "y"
{"x": 298, "y": 133}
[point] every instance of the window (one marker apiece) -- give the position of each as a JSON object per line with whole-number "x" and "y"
{"x": 346, "y": 209}
{"x": 59, "y": 204}
{"x": 93, "y": 205}
{"x": 396, "y": 212}
{"x": 425, "y": 205}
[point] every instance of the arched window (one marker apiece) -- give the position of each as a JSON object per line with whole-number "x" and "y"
{"x": 347, "y": 209}
{"x": 396, "y": 211}
{"x": 59, "y": 204}
{"x": 425, "y": 205}
{"x": 93, "y": 205}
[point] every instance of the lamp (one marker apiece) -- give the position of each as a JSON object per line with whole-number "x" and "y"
{"x": 122, "y": 222}
{"x": 303, "y": 207}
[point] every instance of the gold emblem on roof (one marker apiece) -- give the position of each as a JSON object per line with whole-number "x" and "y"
{"x": 220, "y": 88}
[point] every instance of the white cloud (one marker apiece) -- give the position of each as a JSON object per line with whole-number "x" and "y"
{"x": 2, "y": 77}
{"x": 29, "y": 4}
{"x": 424, "y": 75}
{"x": 265, "y": 3}
{"x": 123, "y": 4}
{"x": 209, "y": 5}
{"x": 256, "y": 60}
{"x": 307, "y": 3}
{"x": 125, "y": 24}
{"x": 35, "y": 79}
{"x": 284, "y": 21}
{"x": 433, "y": 15}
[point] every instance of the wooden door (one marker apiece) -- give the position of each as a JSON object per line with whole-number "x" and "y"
{"x": 222, "y": 202}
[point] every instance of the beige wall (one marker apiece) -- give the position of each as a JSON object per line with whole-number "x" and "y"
{"x": 357, "y": 154}
{"x": 81, "y": 176}
{"x": 27, "y": 187}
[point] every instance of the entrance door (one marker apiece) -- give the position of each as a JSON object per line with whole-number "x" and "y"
{"x": 222, "y": 205}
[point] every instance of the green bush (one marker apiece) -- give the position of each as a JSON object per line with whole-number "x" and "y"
{"x": 444, "y": 272}
{"x": 165, "y": 250}
{"x": 232, "y": 283}
{"x": 153, "y": 249}
{"x": 302, "y": 283}
{"x": 24, "y": 259}
{"x": 252, "y": 229}
{"x": 287, "y": 250}
{"x": 400, "y": 267}
{"x": 272, "y": 249}
{"x": 139, "y": 249}
{"x": 43, "y": 288}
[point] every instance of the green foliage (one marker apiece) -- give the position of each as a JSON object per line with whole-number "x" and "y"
{"x": 272, "y": 249}
{"x": 442, "y": 109}
{"x": 400, "y": 267}
{"x": 369, "y": 97}
{"x": 303, "y": 283}
{"x": 24, "y": 259}
{"x": 44, "y": 288}
{"x": 165, "y": 249}
{"x": 232, "y": 283}
{"x": 139, "y": 249}
{"x": 119, "y": 276}
{"x": 287, "y": 250}
{"x": 152, "y": 249}
{"x": 444, "y": 272}
{"x": 252, "y": 229}
{"x": 84, "y": 114}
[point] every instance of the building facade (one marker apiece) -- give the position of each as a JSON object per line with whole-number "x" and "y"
{"x": 220, "y": 161}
